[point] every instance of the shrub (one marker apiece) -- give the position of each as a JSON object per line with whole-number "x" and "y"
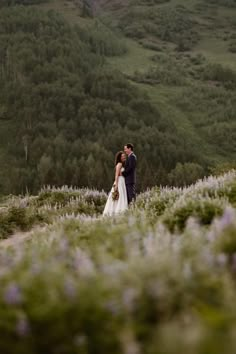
{"x": 203, "y": 209}
{"x": 19, "y": 218}
{"x": 217, "y": 72}
{"x": 185, "y": 174}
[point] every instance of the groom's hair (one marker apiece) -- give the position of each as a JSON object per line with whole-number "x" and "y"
{"x": 130, "y": 146}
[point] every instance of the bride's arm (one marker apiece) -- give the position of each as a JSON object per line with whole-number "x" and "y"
{"x": 117, "y": 174}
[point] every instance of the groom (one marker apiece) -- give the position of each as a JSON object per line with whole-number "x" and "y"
{"x": 129, "y": 172}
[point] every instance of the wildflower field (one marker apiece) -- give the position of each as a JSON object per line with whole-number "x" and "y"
{"x": 160, "y": 279}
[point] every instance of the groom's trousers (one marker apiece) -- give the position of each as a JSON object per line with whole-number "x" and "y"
{"x": 131, "y": 193}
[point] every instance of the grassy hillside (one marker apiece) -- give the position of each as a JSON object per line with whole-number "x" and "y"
{"x": 182, "y": 54}
{"x": 87, "y": 284}
{"x": 174, "y": 62}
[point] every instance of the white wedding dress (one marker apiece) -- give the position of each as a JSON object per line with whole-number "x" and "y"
{"x": 113, "y": 207}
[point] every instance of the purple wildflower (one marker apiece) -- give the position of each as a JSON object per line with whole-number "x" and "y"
{"x": 83, "y": 263}
{"x": 227, "y": 218}
{"x": 221, "y": 259}
{"x": 12, "y": 294}
{"x": 129, "y": 297}
{"x": 69, "y": 288}
{"x": 22, "y": 327}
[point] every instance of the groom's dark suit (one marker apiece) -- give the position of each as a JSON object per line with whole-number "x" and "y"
{"x": 130, "y": 176}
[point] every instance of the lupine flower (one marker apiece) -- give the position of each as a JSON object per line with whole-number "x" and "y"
{"x": 208, "y": 257}
{"x": 129, "y": 297}
{"x": 222, "y": 259}
{"x": 83, "y": 263}
{"x": 227, "y": 219}
{"x": 12, "y": 294}
{"x": 187, "y": 270}
{"x": 69, "y": 288}
{"x": 80, "y": 340}
{"x": 22, "y": 327}
{"x": 113, "y": 307}
{"x": 36, "y": 268}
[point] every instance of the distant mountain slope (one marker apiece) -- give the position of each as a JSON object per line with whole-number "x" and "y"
{"x": 135, "y": 70}
{"x": 183, "y": 54}
{"x": 64, "y": 114}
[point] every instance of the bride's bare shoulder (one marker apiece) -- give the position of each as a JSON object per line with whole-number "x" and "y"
{"x": 119, "y": 165}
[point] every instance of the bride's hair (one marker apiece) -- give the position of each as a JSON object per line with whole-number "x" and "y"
{"x": 118, "y": 157}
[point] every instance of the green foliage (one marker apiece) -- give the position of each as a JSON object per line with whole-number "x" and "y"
{"x": 102, "y": 40}
{"x": 22, "y": 213}
{"x": 203, "y": 210}
{"x": 170, "y": 24}
{"x": 227, "y": 3}
{"x": 21, "y": 2}
{"x": 185, "y": 174}
{"x": 227, "y": 242}
{"x": 156, "y": 201}
{"x": 217, "y": 72}
{"x": 148, "y": 2}
{"x": 165, "y": 76}
{"x": 222, "y": 168}
{"x": 64, "y": 111}
{"x": 194, "y": 90}
{"x": 68, "y": 200}
{"x": 109, "y": 285}
{"x": 232, "y": 194}
{"x": 68, "y": 113}
{"x": 204, "y": 200}
{"x": 18, "y": 218}
{"x": 213, "y": 107}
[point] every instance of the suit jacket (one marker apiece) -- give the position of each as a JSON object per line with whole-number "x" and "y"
{"x": 129, "y": 172}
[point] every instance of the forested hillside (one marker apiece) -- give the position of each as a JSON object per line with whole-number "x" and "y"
{"x": 80, "y": 79}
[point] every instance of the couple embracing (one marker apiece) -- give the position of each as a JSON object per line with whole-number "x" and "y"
{"x": 123, "y": 189}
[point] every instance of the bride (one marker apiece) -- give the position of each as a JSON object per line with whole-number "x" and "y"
{"x": 117, "y": 199}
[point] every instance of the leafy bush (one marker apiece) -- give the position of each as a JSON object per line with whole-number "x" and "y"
{"x": 194, "y": 200}
{"x": 156, "y": 201}
{"x": 232, "y": 47}
{"x": 203, "y": 209}
{"x": 165, "y": 76}
{"x": 227, "y": 3}
{"x": 18, "y": 218}
{"x": 185, "y": 174}
{"x": 65, "y": 196}
{"x": 168, "y": 24}
{"x": 102, "y": 41}
{"x": 22, "y": 213}
{"x": 217, "y": 72}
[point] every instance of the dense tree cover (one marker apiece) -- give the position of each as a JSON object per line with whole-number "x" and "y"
{"x": 102, "y": 40}
{"x": 63, "y": 115}
{"x": 207, "y": 95}
{"x": 4, "y": 3}
{"x": 64, "y": 112}
{"x": 227, "y": 3}
{"x": 168, "y": 23}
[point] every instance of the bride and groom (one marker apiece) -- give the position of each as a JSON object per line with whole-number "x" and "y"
{"x": 123, "y": 189}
